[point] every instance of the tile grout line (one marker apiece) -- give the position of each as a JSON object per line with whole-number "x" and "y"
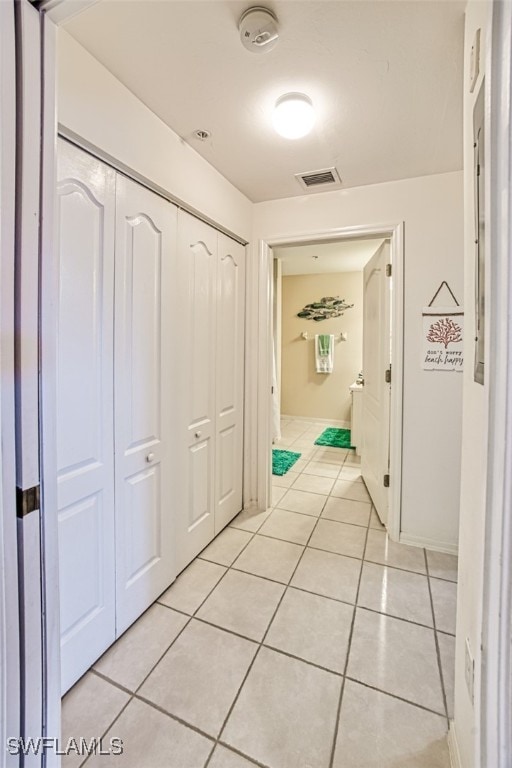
{"x": 261, "y": 645}
{"x": 133, "y": 694}
{"x": 349, "y": 646}
{"x": 436, "y": 640}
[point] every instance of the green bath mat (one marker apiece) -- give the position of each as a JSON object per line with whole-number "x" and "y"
{"x": 335, "y": 438}
{"x": 282, "y": 461}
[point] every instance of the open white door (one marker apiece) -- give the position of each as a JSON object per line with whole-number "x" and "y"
{"x": 376, "y": 390}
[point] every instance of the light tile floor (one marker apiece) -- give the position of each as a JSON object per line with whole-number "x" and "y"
{"x": 300, "y": 638}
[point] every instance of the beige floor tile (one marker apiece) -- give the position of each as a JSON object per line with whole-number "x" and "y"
{"x": 352, "y": 460}
{"x": 347, "y": 511}
{"x": 289, "y": 526}
{"x": 225, "y": 758}
{"x": 153, "y": 740}
{"x": 325, "y": 573}
{"x": 395, "y": 592}
{"x": 351, "y": 489}
{"x": 314, "y": 484}
{"x": 286, "y": 713}
{"x": 444, "y": 597}
{"x": 322, "y": 469}
{"x": 379, "y": 731}
{"x": 306, "y": 454}
{"x": 380, "y": 549}
{"x": 277, "y": 494}
{"x": 397, "y": 657}
{"x": 303, "y": 502}
{"x": 133, "y": 656}
{"x": 341, "y": 538}
{"x": 284, "y": 481}
{"x": 375, "y": 521}
{"x": 447, "y": 652}
{"x": 331, "y": 455}
{"x": 198, "y": 678}
{"x": 315, "y": 628}
{"x": 243, "y": 604}
{"x": 442, "y": 565}
{"x": 270, "y": 558}
{"x": 250, "y": 519}
{"x": 300, "y": 464}
{"x": 192, "y": 586}
{"x": 88, "y": 709}
{"x": 226, "y": 547}
{"x": 350, "y": 473}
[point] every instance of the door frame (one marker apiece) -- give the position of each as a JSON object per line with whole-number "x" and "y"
{"x": 496, "y": 670}
{"x": 261, "y": 354}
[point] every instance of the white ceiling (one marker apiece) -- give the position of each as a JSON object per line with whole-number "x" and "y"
{"x": 345, "y": 256}
{"x": 385, "y": 79}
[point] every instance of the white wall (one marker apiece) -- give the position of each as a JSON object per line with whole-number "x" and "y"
{"x": 474, "y": 447}
{"x": 432, "y": 209}
{"x": 99, "y": 108}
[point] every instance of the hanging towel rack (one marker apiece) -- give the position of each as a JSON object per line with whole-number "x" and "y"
{"x": 337, "y": 336}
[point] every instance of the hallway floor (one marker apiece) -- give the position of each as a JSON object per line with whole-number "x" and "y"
{"x": 300, "y": 638}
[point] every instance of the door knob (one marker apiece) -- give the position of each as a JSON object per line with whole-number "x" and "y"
{"x": 150, "y": 457}
{"x": 198, "y": 434}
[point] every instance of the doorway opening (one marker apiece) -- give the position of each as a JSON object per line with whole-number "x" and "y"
{"x": 332, "y": 337}
{"x": 300, "y": 387}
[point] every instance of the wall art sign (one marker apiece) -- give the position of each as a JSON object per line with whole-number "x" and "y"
{"x": 443, "y": 336}
{"x": 329, "y": 306}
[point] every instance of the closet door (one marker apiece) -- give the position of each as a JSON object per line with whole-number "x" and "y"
{"x": 144, "y": 397}
{"x": 197, "y": 256}
{"x": 85, "y": 449}
{"x": 229, "y": 380}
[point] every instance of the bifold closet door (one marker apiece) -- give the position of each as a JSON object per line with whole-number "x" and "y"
{"x": 229, "y": 380}
{"x": 196, "y": 342}
{"x": 144, "y": 397}
{"x": 85, "y": 447}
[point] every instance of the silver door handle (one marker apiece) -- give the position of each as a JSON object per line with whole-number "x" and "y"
{"x": 150, "y": 457}
{"x": 198, "y": 434}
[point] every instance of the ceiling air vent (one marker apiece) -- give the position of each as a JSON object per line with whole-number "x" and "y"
{"x": 327, "y": 177}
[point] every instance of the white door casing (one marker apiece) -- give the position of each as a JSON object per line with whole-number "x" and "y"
{"x": 229, "y": 380}
{"x": 376, "y": 391}
{"x": 144, "y": 397}
{"x": 195, "y": 344}
{"x": 85, "y": 448}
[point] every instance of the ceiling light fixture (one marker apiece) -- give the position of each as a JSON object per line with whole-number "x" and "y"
{"x": 294, "y": 115}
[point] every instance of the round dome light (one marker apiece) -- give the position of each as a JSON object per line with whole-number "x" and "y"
{"x": 293, "y": 116}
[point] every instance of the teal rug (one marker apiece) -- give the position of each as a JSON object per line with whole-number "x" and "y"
{"x": 334, "y": 437}
{"x": 282, "y": 461}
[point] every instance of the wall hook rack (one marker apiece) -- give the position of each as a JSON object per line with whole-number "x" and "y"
{"x": 337, "y": 336}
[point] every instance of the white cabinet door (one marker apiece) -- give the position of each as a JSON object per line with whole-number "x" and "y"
{"x": 144, "y": 398}
{"x": 195, "y": 331}
{"x": 376, "y": 392}
{"x": 229, "y": 380}
{"x": 85, "y": 232}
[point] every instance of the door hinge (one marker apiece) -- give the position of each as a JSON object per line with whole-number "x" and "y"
{"x": 388, "y": 270}
{"x": 387, "y": 375}
{"x": 386, "y": 481}
{"x": 27, "y": 500}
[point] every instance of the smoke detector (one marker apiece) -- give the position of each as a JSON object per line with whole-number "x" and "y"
{"x": 258, "y": 29}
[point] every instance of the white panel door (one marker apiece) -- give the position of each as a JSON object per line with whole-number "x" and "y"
{"x": 376, "y": 392}
{"x": 144, "y": 397}
{"x": 85, "y": 449}
{"x": 195, "y": 330}
{"x": 229, "y": 380}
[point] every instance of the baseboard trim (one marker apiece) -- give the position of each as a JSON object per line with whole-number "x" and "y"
{"x": 434, "y": 544}
{"x": 327, "y": 422}
{"x": 453, "y": 747}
